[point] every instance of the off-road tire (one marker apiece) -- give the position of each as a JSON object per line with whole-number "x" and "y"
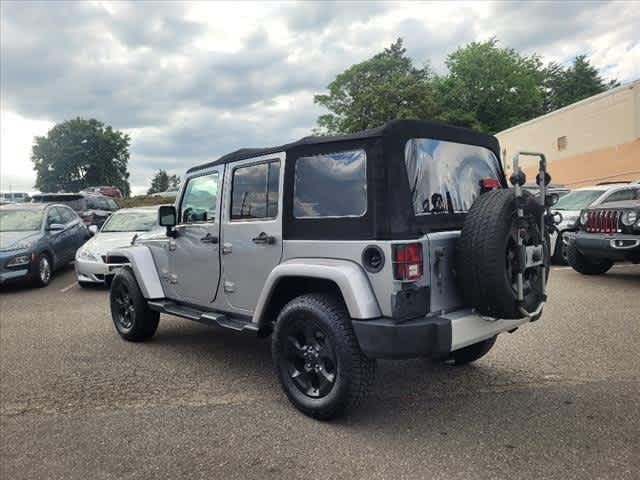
{"x": 482, "y": 266}
{"x": 354, "y": 372}
{"x": 143, "y": 321}
{"x": 472, "y": 352}
{"x": 584, "y": 265}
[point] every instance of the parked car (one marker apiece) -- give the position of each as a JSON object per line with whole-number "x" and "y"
{"x": 570, "y": 206}
{"x": 551, "y": 189}
{"x": 36, "y": 240}
{"x": 119, "y": 230}
{"x": 107, "y": 191}
{"x": 14, "y": 197}
{"x": 395, "y": 242}
{"x": 607, "y": 234}
{"x": 93, "y": 209}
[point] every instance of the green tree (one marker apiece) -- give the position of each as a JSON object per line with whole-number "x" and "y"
{"x": 382, "y": 88}
{"x": 580, "y": 80}
{"x": 162, "y": 181}
{"x": 81, "y": 153}
{"x": 490, "y": 88}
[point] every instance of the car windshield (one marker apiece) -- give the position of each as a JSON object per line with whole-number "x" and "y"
{"x": 131, "y": 222}
{"x": 445, "y": 176}
{"x": 577, "y": 200}
{"x": 20, "y": 220}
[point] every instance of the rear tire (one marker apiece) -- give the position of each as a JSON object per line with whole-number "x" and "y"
{"x": 473, "y": 352}
{"x": 318, "y": 359}
{"x": 131, "y": 316}
{"x": 584, "y": 265}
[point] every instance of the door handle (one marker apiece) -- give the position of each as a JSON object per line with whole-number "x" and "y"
{"x": 208, "y": 238}
{"x": 264, "y": 239}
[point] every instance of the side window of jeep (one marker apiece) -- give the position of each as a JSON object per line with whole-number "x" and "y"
{"x": 200, "y": 199}
{"x": 254, "y": 191}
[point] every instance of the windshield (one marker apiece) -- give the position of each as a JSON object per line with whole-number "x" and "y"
{"x": 577, "y": 200}
{"x": 20, "y": 220}
{"x": 445, "y": 176}
{"x": 131, "y": 222}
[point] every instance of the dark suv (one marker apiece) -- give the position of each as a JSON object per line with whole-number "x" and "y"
{"x": 93, "y": 209}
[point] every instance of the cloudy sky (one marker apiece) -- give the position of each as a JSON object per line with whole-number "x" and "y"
{"x": 191, "y": 81}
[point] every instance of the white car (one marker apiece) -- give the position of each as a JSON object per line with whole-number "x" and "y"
{"x": 573, "y": 203}
{"x": 118, "y": 231}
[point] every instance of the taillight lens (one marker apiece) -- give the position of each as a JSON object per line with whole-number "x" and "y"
{"x": 407, "y": 262}
{"x": 487, "y": 184}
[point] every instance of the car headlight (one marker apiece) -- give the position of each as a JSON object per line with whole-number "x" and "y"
{"x": 87, "y": 255}
{"x": 629, "y": 218}
{"x": 19, "y": 260}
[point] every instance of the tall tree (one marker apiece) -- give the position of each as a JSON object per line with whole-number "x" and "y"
{"x": 491, "y": 88}
{"x": 81, "y": 153}
{"x": 162, "y": 181}
{"x": 580, "y": 80}
{"x": 382, "y": 88}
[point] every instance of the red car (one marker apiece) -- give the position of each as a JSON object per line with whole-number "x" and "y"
{"x": 108, "y": 191}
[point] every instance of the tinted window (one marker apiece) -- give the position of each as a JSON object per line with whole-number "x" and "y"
{"x": 200, "y": 199}
{"x": 54, "y": 217}
{"x": 111, "y": 204}
{"x": 445, "y": 176}
{"x": 254, "y": 193}
{"x": 331, "y": 185}
{"x": 66, "y": 214}
{"x": 621, "y": 195}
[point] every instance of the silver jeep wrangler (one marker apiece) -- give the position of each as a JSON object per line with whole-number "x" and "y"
{"x": 397, "y": 242}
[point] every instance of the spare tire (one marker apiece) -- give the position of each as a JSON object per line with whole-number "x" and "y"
{"x": 488, "y": 260}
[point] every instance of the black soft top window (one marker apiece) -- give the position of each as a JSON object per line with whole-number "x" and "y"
{"x": 331, "y": 185}
{"x": 444, "y": 177}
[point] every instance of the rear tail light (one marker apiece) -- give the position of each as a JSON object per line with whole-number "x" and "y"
{"x": 407, "y": 262}
{"x": 487, "y": 184}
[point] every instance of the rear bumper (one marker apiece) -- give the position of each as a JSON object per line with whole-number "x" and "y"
{"x": 613, "y": 246}
{"x": 433, "y": 336}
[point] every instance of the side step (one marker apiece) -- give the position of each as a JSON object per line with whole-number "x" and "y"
{"x": 202, "y": 316}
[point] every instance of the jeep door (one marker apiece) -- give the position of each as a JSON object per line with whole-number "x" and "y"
{"x": 251, "y": 229}
{"x": 194, "y": 255}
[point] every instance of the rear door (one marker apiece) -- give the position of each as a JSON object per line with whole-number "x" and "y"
{"x": 194, "y": 254}
{"x": 251, "y": 229}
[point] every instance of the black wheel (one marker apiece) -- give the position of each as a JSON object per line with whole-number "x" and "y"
{"x": 584, "y": 265}
{"x": 131, "y": 316}
{"x": 44, "y": 270}
{"x": 317, "y": 357}
{"x": 472, "y": 352}
{"x": 488, "y": 260}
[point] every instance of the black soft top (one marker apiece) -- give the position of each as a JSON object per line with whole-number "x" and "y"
{"x": 389, "y": 213}
{"x": 396, "y": 128}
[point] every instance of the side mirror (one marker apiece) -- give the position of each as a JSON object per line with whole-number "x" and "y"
{"x": 55, "y": 227}
{"x": 167, "y": 218}
{"x": 93, "y": 229}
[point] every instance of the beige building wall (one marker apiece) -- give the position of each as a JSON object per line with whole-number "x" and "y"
{"x": 594, "y": 140}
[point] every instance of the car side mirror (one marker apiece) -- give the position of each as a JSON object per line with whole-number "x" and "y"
{"x": 93, "y": 229}
{"x": 55, "y": 227}
{"x": 167, "y": 218}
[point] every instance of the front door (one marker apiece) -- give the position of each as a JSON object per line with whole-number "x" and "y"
{"x": 252, "y": 229}
{"x": 194, "y": 253}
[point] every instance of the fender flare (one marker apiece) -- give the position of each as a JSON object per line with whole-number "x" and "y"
{"x": 350, "y": 278}
{"x": 140, "y": 260}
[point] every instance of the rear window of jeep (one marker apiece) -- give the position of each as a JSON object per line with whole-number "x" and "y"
{"x": 445, "y": 176}
{"x": 331, "y": 185}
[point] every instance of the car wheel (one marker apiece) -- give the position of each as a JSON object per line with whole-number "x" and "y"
{"x": 559, "y": 253}
{"x": 133, "y": 319}
{"x": 584, "y": 265}
{"x": 318, "y": 359}
{"x": 472, "y": 352}
{"x": 43, "y": 274}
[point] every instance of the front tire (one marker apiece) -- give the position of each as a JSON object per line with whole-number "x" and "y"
{"x": 44, "y": 271}
{"x": 133, "y": 319}
{"x": 318, "y": 359}
{"x": 584, "y": 265}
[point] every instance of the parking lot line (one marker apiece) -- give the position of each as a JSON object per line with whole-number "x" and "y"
{"x": 68, "y": 287}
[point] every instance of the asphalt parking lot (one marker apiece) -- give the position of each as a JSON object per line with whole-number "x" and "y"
{"x": 558, "y": 399}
